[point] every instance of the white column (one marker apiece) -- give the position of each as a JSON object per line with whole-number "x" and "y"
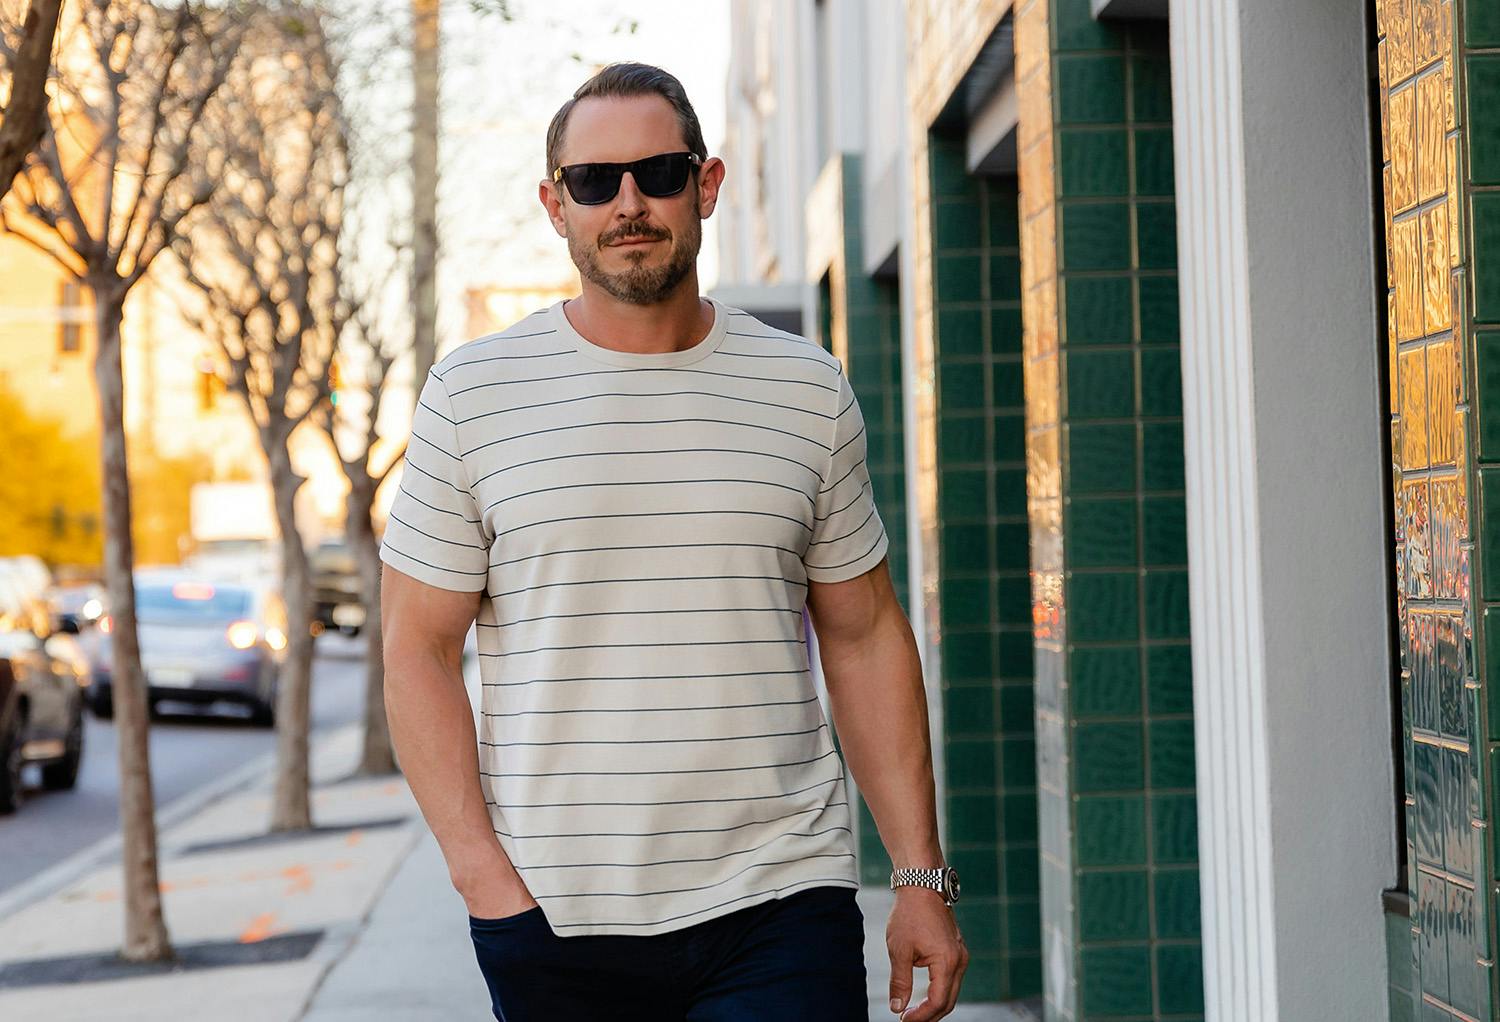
{"x": 1286, "y": 523}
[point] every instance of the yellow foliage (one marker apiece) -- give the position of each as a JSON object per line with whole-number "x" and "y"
{"x": 51, "y": 493}
{"x": 49, "y": 489}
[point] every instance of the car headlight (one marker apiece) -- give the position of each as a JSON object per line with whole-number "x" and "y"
{"x": 242, "y": 634}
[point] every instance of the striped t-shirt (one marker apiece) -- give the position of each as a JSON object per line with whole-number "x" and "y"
{"x": 643, "y": 527}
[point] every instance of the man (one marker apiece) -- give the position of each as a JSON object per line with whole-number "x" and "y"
{"x": 636, "y": 492}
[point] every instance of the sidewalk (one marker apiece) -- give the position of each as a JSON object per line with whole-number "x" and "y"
{"x": 256, "y": 919}
{"x": 356, "y": 921}
{"x": 413, "y": 960}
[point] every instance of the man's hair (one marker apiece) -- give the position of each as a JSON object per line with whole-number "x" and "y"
{"x": 628, "y": 79}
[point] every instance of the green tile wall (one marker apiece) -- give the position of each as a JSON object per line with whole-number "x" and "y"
{"x": 1438, "y": 96}
{"x": 874, "y": 368}
{"x": 1118, "y": 810}
{"x": 870, "y": 346}
{"x": 1398, "y": 951}
{"x": 825, "y": 312}
{"x": 1477, "y": 251}
{"x": 988, "y": 743}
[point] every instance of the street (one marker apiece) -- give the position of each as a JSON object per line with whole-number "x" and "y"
{"x": 189, "y": 749}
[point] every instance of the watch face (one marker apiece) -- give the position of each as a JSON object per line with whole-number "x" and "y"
{"x": 952, "y": 884}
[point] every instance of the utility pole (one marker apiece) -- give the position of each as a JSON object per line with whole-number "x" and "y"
{"x": 424, "y": 165}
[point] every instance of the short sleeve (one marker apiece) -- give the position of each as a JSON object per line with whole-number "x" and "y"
{"x": 848, "y": 536}
{"x": 433, "y": 531}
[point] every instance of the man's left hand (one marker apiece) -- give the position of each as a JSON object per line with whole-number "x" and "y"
{"x": 922, "y": 932}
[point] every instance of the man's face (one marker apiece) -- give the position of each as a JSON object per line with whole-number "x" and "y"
{"x": 635, "y": 247}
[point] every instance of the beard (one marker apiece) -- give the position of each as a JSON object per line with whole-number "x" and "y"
{"x": 639, "y": 284}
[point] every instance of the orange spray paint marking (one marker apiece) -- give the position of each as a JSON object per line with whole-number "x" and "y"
{"x": 300, "y": 878}
{"x": 259, "y": 929}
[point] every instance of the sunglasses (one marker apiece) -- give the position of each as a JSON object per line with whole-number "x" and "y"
{"x": 658, "y": 176}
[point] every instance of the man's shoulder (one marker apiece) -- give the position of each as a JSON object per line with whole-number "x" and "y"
{"x": 487, "y": 347}
{"x": 753, "y": 330}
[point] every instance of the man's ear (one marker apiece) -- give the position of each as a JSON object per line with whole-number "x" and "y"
{"x": 710, "y": 179}
{"x": 552, "y": 201}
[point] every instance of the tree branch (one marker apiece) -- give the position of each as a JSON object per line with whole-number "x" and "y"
{"x": 26, "y": 112}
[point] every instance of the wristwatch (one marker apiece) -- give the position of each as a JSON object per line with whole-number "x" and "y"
{"x": 943, "y": 879}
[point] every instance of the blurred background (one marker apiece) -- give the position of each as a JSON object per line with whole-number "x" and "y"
{"x": 1174, "y": 326}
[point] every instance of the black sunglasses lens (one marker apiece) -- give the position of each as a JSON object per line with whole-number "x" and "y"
{"x": 593, "y": 183}
{"x": 662, "y": 175}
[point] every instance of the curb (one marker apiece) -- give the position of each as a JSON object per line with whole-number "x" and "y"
{"x": 341, "y": 939}
{"x": 107, "y": 849}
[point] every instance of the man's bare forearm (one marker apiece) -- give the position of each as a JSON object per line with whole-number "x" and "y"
{"x": 432, "y": 731}
{"x": 879, "y": 706}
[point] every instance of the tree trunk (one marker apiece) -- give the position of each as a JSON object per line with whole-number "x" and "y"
{"x": 377, "y": 757}
{"x": 25, "y": 119}
{"x": 145, "y": 928}
{"x": 424, "y": 165}
{"x": 291, "y": 807}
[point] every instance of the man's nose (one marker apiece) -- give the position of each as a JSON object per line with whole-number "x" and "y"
{"x": 632, "y": 199}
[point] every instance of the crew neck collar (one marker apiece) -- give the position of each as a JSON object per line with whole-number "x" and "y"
{"x": 644, "y": 360}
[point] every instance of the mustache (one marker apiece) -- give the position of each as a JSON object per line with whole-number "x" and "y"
{"x": 634, "y": 232}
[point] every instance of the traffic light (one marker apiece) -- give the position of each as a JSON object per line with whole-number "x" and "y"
{"x": 335, "y": 380}
{"x": 210, "y": 386}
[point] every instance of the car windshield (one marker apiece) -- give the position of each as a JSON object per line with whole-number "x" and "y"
{"x": 333, "y": 557}
{"x": 189, "y": 602}
{"x": 234, "y": 546}
{"x": 72, "y": 599}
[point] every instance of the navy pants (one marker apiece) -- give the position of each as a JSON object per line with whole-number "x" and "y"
{"x": 794, "y": 958}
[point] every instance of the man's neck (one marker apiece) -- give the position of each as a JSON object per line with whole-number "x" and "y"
{"x": 675, "y": 323}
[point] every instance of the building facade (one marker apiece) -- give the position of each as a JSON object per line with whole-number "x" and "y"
{"x": 1173, "y": 324}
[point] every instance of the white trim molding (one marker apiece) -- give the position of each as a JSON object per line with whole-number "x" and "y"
{"x": 1287, "y": 540}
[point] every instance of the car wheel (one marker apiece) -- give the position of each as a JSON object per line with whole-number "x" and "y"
{"x": 264, "y": 714}
{"x": 63, "y": 774}
{"x": 10, "y": 766}
{"x": 103, "y": 706}
{"x": 263, "y": 710}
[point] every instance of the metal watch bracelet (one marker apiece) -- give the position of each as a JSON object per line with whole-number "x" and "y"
{"x": 943, "y": 879}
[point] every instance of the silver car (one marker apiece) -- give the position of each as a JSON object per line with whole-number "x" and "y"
{"x": 42, "y": 674}
{"x": 204, "y": 640}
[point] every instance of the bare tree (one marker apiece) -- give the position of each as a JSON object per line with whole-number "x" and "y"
{"x": 108, "y": 188}
{"x": 371, "y": 344}
{"x": 25, "y": 62}
{"x": 386, "y": 319}
{"x": 263, "y": 260}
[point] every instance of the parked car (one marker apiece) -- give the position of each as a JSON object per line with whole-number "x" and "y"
{"x": 337, "y": 600}
{"x": 43, "y": 674}
{"x": 81, "y": 603}
{"x": 204, "y": 640}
